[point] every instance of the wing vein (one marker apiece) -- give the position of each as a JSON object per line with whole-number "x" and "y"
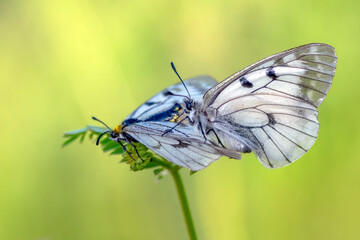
{"x": 292, "y": 96}
{"x": 269, "y": 104}
{"x": 315, "y": 62}
{"x": 310, "y": 70}
{"x": 192, "y": 158}
{"x": 296, "y": 130}
{"x": 280, "y": 80}
{"x": 293, "y": 115}
{"x": 276, "y": 145}
{"x": 310, "y": 78}
{"x": 262, "y": 148}
{"x": 173, "y": 155}
{"x": 317, "y": 54}
{"x": 287, "y": 138}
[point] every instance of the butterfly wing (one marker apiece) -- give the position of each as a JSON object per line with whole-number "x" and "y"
{"x": 197, "y": 87}
{"x": 182, "y": 146}
{"x": 274, "y": 102}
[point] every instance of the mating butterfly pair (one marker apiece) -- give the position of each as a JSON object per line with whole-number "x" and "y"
{"x": 269, "y": 108}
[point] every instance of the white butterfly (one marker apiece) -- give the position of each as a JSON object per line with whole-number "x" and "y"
{"x": 269, "y": 107}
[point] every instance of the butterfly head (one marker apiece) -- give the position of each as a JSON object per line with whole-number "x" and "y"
{"x": 189, "y": 103}
{"x": 114, "y": 133}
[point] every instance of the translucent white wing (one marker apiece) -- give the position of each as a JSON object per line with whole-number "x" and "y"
{"x": 163, "y": 100}
{"x": 182, "y": 146}
{"x": 274, "y": 101}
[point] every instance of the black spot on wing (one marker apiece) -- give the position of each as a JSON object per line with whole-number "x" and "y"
{"x": 270, "y": 72}
{"x": 167, "y": 93}
{"x": 245, "y": 83}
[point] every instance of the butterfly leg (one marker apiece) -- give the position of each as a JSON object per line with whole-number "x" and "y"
{"x": 167, "y": 131}
{"x": 124, "y": 148}
{"x": 218, "y": 139}
{"x": 127, "y": 140}
{"x": 202, "y": 131}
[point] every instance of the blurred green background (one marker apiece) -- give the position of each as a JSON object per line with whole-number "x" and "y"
{"x": 62, "y": 62}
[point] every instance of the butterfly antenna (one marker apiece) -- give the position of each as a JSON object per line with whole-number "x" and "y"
{"x": 168, "y": 93}
{"x": 94, "y": 118}
{"x": 98, "y": 139}
{"x": 173, "y": 67}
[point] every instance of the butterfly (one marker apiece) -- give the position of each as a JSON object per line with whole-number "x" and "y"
{"x": 269, "y": 108}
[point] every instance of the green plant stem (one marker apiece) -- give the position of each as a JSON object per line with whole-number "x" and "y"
{"x": 184, "y": 202}
{"x": 174, "y": 171}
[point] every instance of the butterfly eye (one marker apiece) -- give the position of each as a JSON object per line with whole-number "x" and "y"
{"x": 113, "y": 134}
{"x": 188, "y": 105}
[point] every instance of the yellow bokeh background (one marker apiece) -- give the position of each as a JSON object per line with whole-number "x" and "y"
{"x": 62, "y": 62}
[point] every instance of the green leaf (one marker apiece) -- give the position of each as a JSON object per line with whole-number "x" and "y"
{"x": 146, "y": 159}
{"x": 118, "y": 150}
{"x": 105, "y": 141}
{"x": 158, "y": 170}
{"x": 75, "y": 132}
{"x": 82, "y": 137}
{"x": 71, "y": 139}
{"x": 152, "y": 165}
{"x": 91, "y": 135}
{"x": 96, "y": 129}
{"x": 110, "y": 145}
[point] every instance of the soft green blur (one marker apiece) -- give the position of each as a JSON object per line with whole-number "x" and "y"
{"x": 62, "y": 62}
